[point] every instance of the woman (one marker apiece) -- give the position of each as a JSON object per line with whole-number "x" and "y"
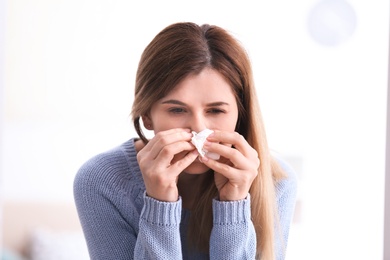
{"x": 158, "y": 198}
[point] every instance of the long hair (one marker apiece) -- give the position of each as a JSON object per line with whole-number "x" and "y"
{"x": 182, "y": 49}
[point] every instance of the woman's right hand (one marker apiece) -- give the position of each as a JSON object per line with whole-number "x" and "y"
{"x": 162, "y": 160}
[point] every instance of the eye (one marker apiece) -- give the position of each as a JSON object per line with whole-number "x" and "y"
{"x": 176, "y": 110}
{"x": 215, "y": 111}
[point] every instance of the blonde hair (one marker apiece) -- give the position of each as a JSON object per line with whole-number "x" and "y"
{"x": 186, "y": 48}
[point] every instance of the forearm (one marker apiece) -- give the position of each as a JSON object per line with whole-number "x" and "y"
{"x": 159, "y": 231}
{"x": 233, "y": 235}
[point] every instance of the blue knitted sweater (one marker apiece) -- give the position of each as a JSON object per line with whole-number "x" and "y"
{"x": 120, "y": 222}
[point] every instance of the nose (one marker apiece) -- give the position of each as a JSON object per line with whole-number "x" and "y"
{"x": 198, "y": 122}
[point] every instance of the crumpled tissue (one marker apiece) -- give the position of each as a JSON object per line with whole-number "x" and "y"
{"x": 198, "y": 140}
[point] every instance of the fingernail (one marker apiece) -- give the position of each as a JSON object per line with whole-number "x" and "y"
{"x": 200, "y": 159}
{"x": 211, "y": 138}
{"x": 206, "y": 144}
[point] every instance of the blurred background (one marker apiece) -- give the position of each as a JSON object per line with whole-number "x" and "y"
{"x": 66, "y": 79}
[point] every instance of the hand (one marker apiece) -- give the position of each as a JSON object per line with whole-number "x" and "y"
{"x": 237, "y": 168}
{"x": 161, "y": 161}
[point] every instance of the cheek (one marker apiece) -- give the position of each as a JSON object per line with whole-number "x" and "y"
{"x": 164, "y": 123}
{"x": 227, "y": 123}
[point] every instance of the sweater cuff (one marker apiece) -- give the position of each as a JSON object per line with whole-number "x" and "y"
{"x": 161, "y": 212}
{"x": 231, "y": 212}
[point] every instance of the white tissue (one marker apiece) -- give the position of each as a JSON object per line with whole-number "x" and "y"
{"x": 198, "y": 140}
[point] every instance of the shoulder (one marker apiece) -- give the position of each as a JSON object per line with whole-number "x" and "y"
{"x": 288, "y": 184}
{"x": 116, "y": 167}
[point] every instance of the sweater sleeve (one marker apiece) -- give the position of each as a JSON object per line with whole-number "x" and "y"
{"x": 286, "y": 193}
{"x": 159, "y": 233}
{"x": 119, "y": 221}
{"x": 233, "y": 235}
{"x": 109, "y": 235}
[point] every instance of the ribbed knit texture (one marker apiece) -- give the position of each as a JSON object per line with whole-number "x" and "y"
{"x": 120, "y": 222}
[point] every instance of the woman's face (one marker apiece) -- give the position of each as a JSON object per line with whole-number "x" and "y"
{"x": 198, "y": 102}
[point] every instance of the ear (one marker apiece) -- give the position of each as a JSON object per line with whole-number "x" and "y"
{"x": 147, "y": 122}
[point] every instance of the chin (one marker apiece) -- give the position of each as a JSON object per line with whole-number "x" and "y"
{"x": 196, "y": 168}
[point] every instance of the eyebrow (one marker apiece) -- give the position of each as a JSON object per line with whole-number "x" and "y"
{"x": 178, "y": 102}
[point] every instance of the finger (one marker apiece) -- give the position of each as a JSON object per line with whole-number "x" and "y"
{"x": 224, "y": 169}
{"x": 236, "y": 177}
{"x": 163, "y": 139}
{"x": 232, "y": 154}
{"x": 233, "y": 139}
{"x": 161, "y": 134}
{"x": 168, "y": 152}
{"x": 183, "y": 163}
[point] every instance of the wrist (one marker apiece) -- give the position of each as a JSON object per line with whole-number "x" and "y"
{"x": 163, "y": 196}
{"x": 232, "y": 197}
{"x": 161, "y": 212}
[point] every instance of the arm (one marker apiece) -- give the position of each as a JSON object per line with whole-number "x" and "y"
{"x": 286, "y": 193}
{"x": 159, "y": 234}
{"x": 115, "y": 222}
{"x": 233, "y": 235}
{"x": 108, "y": 234}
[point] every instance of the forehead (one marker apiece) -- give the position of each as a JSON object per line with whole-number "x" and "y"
{"x": 209, "y": 83}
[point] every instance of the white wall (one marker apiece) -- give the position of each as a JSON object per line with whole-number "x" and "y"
{"x": 70, "y": 69}
{"x": 2, "y": 61}
{"x": 386, "y": 253}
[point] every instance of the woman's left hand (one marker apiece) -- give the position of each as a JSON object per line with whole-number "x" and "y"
{"x": 237, "y": 168}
